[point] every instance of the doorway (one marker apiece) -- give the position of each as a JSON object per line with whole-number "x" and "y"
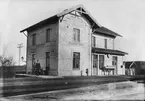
{"x": 101, "y": 64}
{"x": 95, "y": 64}
{"x": 33, "y": 62}
{"x": 47, "y": 63}
{"x": 115, "y": 62}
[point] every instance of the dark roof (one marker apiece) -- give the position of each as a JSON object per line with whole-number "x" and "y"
{"x": 55, "y": 17}
{"x": 41, "y": 23}
{"x": 103, "y": 30}
{"x": 108, "y": 51}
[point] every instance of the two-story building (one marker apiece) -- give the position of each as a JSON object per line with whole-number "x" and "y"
{"x": 71, "y": 43}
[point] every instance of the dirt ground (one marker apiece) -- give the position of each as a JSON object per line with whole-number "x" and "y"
{"x": 111, "y": 91}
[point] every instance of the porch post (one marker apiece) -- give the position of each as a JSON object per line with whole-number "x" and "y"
{"x": 92, "y": 64}
{"x": 98, "y": 66}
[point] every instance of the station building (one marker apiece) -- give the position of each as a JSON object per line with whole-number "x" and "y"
{"x": 73, "y": 43}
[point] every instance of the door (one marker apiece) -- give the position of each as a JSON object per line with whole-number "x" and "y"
{"x": 115, "y": 59}
{"x": 95, "y": 64}
{"x": 101, "y": 64}
{"x": 47, "y": 63}
{"x": 33, "y": 62}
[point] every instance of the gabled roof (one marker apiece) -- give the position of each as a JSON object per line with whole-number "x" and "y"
{"x": 41, "y": 23}
{"x": 85, "y": 13}
{"x": 94, "y": 24}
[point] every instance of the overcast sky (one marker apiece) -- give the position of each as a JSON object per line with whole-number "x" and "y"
{"x": 126, "y": 17}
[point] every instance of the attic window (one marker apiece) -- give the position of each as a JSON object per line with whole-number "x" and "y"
{"x": 76, "y": 34}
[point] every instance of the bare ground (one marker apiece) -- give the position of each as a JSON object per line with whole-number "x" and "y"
{"x": 111, "y": 91}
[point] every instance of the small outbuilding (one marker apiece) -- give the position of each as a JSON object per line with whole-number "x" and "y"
{"x": 134, "y": 67}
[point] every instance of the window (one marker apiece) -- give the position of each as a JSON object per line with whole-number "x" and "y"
{"x": 48, "y": 32}
{"x": 101, "y": 61}
{"x": 114, "y": 60}
{"x": 34, "y": 39}
{"x": 93, "y": 41}
{"x": 105, "y": 43}
{"x": 76, "y": 60}
{"x": 76, "y": 34}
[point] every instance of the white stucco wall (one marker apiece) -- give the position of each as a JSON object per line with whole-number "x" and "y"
{"x": 42, "y": 47}
{"x": 67, "y": 46}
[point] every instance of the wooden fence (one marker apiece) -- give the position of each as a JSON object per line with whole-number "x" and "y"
{"x": 11, "y": 71}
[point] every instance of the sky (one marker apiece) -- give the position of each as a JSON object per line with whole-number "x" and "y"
{"x": 126, "y": 17}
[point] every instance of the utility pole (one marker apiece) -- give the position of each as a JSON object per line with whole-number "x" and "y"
{"x": 20, "y": 46}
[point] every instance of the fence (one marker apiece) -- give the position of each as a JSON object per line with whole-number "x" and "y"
{"x": 11, "y": 71}
{"x": 20, "y": 69}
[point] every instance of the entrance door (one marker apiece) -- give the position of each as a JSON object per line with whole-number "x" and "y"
{"x": 115, "y": 60}
{"x": 101, "y": 64}
{"x": 33, "y": 62}
{"x": 95, "y": 64}
{"x": 47, "y": 63}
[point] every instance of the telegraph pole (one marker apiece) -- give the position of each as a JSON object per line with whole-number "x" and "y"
{"x": 19, "y": 47}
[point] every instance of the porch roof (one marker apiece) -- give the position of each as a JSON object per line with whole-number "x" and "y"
{"x": 106, "y": 31}
{"x": 108, "y": 51}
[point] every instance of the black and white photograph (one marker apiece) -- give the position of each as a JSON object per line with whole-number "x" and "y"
{"x": 70, "y": 50}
